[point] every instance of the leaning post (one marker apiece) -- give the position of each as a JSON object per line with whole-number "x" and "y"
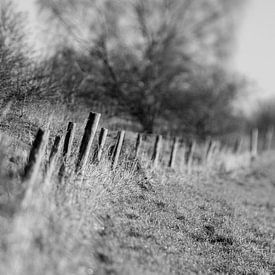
{"x": 173, "y": 153}
{"x": 101, "y": 142}
{"x": 269, "y": 138}
{"x": 117, "y": 149}
{"x": 53, "y": 158}
{"x": 86, "y": 142}
{"x": 208, "y": 149}
{"x": 138, "y": 145}
{"x": 238, "y": 145}
{"x": 67, "y": 148}
{"x": 54, "y": 149}
{"x": 190, "y": 155}
{"x": 36, "y": 154}
{"x": 33, "y": 164}
{"x": 156, "y": 152}
{"x": 254, "y": 142}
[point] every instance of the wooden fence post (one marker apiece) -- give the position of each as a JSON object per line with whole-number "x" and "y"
{"x": 173, "y": 153}
{"x": 215, "y": 148}
{"x": 218, "y": 146}
{"x": 238, "y": 145}
{"x": 269, "y": 138}
{"x": 254, "y": 142}
{"x": 54, "y": 149}
{"x": 138, "y": 145}
{"x": 156, "y": 152}
{"x": 36, "y": 154}
{"x": 101, "y": 142}
{"x": 208, "y": 149}
{"x": 87, "y": 140}
{"x": 182, "y": 159}
{"x": 117, "y": 149}
{"x": 53, "y": 156}
{"x": 190, "y": 155}
{"x": 68, "y": 142}
{"x": 67, "y": 148}
{"x": 34, "y": 161}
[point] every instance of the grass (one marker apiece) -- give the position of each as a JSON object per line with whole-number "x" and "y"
{"x": 136, "y": 220}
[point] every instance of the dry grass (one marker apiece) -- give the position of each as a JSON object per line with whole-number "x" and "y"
{"x": 218, "y": 219}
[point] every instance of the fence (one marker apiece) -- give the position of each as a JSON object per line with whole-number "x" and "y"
{"x": 176, "y": 149}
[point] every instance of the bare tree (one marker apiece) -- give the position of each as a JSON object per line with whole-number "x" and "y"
{"x": 12, "y": 58}
{"x": 143, "y": 51}
{"x": 20, "y": 76}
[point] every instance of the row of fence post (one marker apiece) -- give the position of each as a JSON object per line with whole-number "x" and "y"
{"x": 38, "y": 149}
{"x": 254, "y": 141}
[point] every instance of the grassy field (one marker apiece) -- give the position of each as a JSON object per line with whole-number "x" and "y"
{"x": 135, "y": 220}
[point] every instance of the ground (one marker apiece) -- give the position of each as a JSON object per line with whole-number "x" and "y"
{"x": 178, "y": 225}
{"x": 136, "y": 220}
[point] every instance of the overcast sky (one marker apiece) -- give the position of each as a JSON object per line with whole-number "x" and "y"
{"x": 255, "y": 55}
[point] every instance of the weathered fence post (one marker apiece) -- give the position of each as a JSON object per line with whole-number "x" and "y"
{"x": 156, "y": 152}
{"x": 54, "y": 149}
{"x": 212, "y": 150}
{"x": 215, "y": 148}
{"x": 208, "y": 149}
{"x": 53, "y": 156}
{"x": 269, "y": 138}
{"x": 173, "y": 153}
{"x": 68, "y": 141}
{"x": 254, "y": 142}
{"x": 87, "y": 140}
{"x": 34, "y": 161}
{"x": 183, "y": 153}
{"x": 238, "y": 145}
{"x": 190, "y": 155}
{"x": 101, "y": 142}
{"x": 117, "y": 148}
{"x": 36, "y": 154}
{"x": 218, "y": 146}
{"x": 138, "y": 145}
{"x": 67, "y": 148}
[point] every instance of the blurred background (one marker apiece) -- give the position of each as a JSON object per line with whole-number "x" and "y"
{"x": 202, "y": 67}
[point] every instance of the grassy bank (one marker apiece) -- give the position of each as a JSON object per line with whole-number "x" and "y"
{"x": 135, "y": 220}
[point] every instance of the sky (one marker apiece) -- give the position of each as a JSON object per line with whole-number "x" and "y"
{"x": 255, "y": 43}
{"x": 255, "y": 52}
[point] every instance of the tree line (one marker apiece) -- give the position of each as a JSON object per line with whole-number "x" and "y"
{"x": 162, "y": 62}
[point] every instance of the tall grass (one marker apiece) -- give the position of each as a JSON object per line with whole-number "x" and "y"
{"x": 133, "y": 220}
{"x": 54, "y": 233}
